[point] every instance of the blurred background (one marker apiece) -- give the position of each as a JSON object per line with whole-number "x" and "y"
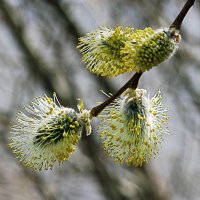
{"x": 38, "y": 55}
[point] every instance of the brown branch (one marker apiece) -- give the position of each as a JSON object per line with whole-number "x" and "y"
{"x": 132, "y": 83}
{"x": 179, "y": 19}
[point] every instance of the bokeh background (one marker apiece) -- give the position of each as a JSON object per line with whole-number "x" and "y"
{"x": 38, "y": 55}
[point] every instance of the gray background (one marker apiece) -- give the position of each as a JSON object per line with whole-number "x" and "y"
{"x": 38, "y": 55}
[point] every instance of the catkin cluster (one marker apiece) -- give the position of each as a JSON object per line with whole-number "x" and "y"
{"x": 131, "y": 127}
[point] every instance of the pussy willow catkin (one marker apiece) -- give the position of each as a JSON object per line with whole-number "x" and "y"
{"x": 133, "y": 126}
{"x": 110, "y": 52}
{"x": 47, "y": 132}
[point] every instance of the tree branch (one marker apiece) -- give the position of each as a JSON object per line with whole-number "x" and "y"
{"x": 132, "y": 83}
{"x": 179, "y": 19}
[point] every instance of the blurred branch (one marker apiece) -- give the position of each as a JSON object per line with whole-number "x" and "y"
{"x": 4, "y": 118}
{"x": 69, "y": 24}
{"x": 33, "y": 61}
{"x": 110, "y": 185}
{"x": 72, "y": 29}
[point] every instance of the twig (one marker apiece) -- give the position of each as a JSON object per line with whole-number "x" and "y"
{"x": 179, "y": 19}
{"x": 132, "y": 83}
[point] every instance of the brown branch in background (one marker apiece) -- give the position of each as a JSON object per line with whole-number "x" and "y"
{"x": 36, "y": 68}
{"x": 109, "y": 181}
{"x": 132, "y": 83}
{"x": 179, "y": 19}
{"x": 72, "y": 29}
{"x": 33, "y": 62}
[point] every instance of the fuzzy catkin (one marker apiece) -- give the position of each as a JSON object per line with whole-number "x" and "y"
{"x": 111, "y": 52}
{"x": 47, "y": 132}
{"x": 133, "y": 126}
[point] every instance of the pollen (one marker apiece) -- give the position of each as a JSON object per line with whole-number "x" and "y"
{"x": 47, "y": 132}
{"x": 135, "y": 137}
{"x": 110, "y": 52}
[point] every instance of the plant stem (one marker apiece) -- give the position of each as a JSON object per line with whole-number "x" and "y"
{"x": 132, "y": 83}
{"x": 180, "y": 17}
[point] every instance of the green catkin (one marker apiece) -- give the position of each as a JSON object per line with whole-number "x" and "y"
{"x": 47, "y": 132}
{"x": 133, "y": 126}
{"x": 110, "y": 52}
